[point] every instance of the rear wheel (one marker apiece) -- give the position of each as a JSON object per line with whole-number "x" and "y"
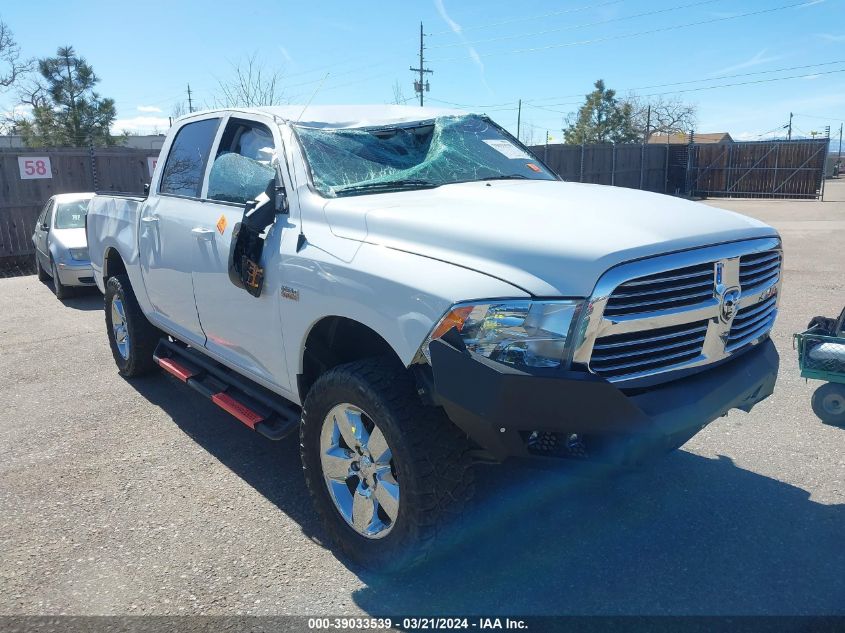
{"x": 829, "y": 403}
{"x": 61, "y": 291}
{"x": 131, "y": 336}
{"x": 385, "y": 472}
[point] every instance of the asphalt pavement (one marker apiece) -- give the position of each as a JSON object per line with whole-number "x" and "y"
{"x": 141, "y": 497}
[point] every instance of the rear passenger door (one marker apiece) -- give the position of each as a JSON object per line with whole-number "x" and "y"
{"x": 241, "y": 330}
{"x": 168, "y": 232}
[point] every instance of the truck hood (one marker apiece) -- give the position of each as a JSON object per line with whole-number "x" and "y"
{"x": 549, "y": 238}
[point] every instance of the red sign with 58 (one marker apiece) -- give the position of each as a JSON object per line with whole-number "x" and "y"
{"x": 32, "y": 167}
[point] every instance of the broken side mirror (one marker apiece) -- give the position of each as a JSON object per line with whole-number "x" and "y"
{"x": 280, "y": 195}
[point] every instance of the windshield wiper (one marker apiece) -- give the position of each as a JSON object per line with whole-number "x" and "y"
{"x": 507, "y": 177}
{"x": 387, "y": 186}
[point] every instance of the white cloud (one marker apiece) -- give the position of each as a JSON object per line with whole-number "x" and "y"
{"x": 757, "y": 60}
{"x": 141, "y": 125}
{"x": 286, "y": 54}
{"x": 456, "y": 29}
{"x": 143, "y": 108}
{"x": 830, "y": 37}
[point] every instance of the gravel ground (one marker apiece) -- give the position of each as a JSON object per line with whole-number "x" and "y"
{"x": 141, "y": 497}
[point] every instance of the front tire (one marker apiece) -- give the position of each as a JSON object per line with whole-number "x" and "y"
{"x": 385, "y": 472}
{"x": 131, "y": 336}
{"x": 42, "y": 274}
{"x": 61, "y": 291}
{"x": 829, "y": 403}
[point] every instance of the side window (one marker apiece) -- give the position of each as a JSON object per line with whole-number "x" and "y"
{"x": 185, "y": 167}
{"x": 42, "y": 217}
{"x": 242, "y": 168}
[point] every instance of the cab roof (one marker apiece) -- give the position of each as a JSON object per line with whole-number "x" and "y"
{"x": 348, "y": 116}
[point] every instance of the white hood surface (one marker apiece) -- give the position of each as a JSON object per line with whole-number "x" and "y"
{"x": 550, "y": 238}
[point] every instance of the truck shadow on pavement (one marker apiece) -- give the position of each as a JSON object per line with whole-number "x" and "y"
{"x": 688, "y": 535}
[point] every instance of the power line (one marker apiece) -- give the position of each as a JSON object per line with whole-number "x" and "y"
{"x": 637, "y": 33}
{"x": 536, "y": 17}
{"x": 579, "y": 26}
{"x": 533, "y": 102}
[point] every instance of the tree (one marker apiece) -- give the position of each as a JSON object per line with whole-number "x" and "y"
{"x": 602, "y": 119}
{"x": 71, "y": 114}
{"x": 398, "y": 94}
{"x": 12, "y": 65}
{"x": 251, "y": 85}
{"x": 666, "y": 116}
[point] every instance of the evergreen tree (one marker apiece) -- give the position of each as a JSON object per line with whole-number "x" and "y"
{"x": 602, "y": 119}
{"x": 73, "y": 114}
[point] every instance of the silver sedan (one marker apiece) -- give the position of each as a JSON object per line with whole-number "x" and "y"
{"x": 61, "y": 246}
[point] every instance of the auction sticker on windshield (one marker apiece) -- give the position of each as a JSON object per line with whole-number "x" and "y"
{"x": 506, "y": 148}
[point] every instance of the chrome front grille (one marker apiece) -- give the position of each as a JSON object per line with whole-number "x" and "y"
{"x": 759, "y": 269}
{"x": 750, "y": 322}
{"x": 671, "y": 289}
{"x": 648, "y": 350}
{"x": 674, "y": 312}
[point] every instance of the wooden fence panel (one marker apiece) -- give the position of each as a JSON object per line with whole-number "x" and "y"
{"x": 72, "y": 169}
{"x": 765, "y": 169}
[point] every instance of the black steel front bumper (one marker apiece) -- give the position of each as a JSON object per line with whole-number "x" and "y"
{"x": 499, "y": 407}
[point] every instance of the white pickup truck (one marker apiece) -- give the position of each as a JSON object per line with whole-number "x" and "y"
{"x": 413, "y": 291}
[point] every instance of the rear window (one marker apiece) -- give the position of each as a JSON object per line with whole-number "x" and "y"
{"x": 185, "y": 167}
{"x": 71, "y": 215}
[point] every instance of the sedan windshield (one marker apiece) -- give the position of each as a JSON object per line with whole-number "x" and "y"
{"x": 446, "y": 150}
{"x": 71, "y": 215}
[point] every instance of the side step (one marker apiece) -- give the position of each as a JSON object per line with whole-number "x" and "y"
{"x": 258, "y": 408}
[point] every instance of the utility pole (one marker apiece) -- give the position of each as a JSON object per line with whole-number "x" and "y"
{"x": 647, "y": 124}
{"x": 839, "y": 156}
{"x": 789, "y": 134}
{"x": 518, "y": 118}
{"x": 190, "y": 102}
{"x": 420, "y": 85}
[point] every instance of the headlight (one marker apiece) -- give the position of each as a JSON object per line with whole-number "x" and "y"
{"x": 517, "y": 333}
{"x": 79, "y": 254}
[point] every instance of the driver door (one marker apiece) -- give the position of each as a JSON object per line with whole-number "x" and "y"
{"x": 242, "y": 331}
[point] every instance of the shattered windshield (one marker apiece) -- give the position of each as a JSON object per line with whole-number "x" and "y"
{"x": 446, "y": 150}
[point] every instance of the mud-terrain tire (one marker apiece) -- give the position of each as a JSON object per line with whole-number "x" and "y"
{"x": 406, "y": 450}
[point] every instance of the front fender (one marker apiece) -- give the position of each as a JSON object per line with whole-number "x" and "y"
{"x": 399, "y": 295}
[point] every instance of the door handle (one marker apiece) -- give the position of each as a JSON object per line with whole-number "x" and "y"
{"x": 150, "y": 219}
{"x": 202, "y": 234}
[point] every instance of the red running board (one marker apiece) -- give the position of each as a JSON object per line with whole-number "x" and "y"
{"x": 237, "y": 409}
{"x": 176, "y": 369}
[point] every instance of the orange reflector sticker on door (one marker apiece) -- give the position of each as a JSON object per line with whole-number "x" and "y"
{"x": 237, "y": 409}
{"x": 221, "y": 224}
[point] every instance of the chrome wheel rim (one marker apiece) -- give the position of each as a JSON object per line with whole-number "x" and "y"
{"x": 118, "y": 326}
{"x": 834, "y": 403}
{"x": 359, "y": 472}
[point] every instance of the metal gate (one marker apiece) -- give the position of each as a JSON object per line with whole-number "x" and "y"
{"x": 765, "y": 169}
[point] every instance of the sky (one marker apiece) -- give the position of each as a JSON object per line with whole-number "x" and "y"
{"x": 745, "y": 64}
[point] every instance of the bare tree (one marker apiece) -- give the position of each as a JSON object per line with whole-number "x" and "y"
{"x": 398, "y": 94}
{"x": 12, "y": 65}
{"x": 251, "y": 84}
{"x": 179, "y": 109}
{"x": 668, "y": 116}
